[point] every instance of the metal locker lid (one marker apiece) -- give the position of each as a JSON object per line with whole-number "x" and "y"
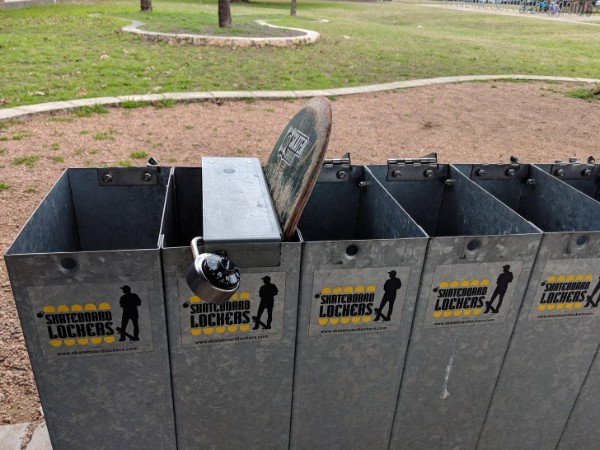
{"x": 236, "y": 205}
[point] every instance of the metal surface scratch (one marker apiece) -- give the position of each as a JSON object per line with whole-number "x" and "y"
{"x": 445, "y": 393}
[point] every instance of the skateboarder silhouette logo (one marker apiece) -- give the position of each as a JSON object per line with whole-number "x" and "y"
{"x": 267, "y": 293}
{"x": 504, "y": 279}
{"x": 390, "y": 290}
{"x": 590, "y": 298}
{"x": 129, "y": 302}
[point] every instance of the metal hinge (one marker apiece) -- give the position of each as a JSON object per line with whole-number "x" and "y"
{"x": 411, "y": 169}
{"x": 336, "y": 169}
{"x": 343, "y": 161}
{"x": 574, "y": 170}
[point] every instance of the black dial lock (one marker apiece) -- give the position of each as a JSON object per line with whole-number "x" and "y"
{"x": 212, "y": 277}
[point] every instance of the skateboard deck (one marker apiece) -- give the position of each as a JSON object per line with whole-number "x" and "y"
{"x": 295, "y": 162}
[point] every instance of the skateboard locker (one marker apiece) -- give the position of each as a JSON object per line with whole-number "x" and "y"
{"x": 231, "y": 364}
{"x": 476, "y": 268}
{"x": 414, "y": 305}
{"x": 87, "y": 281}
{"x": 361, "y": 264}
{"x": 556, "y": 334}
{"x": 581, "y": 430}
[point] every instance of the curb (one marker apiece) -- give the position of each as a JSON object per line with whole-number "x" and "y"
{"x": 188, "y": 97}
{"x": 25, "y": 436}
{"x": 308, "y": 37}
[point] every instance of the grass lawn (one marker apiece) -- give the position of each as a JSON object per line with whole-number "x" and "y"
{"x": 59, "y": 52}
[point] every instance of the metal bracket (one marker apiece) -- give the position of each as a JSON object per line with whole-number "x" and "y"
{"x": 337, "y": 170}
{"x": 128, "y": 176}
{"x": 413, "y": 169}
{"x": 499, "y": 171}
{"x": 574, "y": 170}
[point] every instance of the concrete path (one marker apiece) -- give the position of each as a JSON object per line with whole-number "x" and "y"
{"x": 24, "y": 111}
{"x": 567, "y": 18}
{"x": 25, "y": 436}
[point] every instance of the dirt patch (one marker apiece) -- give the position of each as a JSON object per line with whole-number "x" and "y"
{"x": 475, "y": 122}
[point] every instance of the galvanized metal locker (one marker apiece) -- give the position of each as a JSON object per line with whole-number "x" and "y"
{"x": 581, "y": 430}
{"x": 87, "y": 282}
{"x": 361, "y": 266}
{"x": 231, "y": 364}
{"x": 476, "y": 269}
{"x": 557, "y": 333}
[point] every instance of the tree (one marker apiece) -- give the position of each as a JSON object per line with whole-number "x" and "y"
{"x": 224, "y": 14}
{"x": 293, "y": 8}
{"x": 146, "y": 5}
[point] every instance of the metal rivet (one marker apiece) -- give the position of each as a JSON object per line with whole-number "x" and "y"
{"x": 428, "y": 173}
{"x": 341, "y": 175}
{"x": 147, "y": 176}
{"x": 362, "y": 185}
{"x": 530, "y": 182}
{"x": 107, "y": 178}
{"x": 396, "y": 174}
{"x": 449, "y": 182}
{"x": 510, "y": 172}
{"x": 559, "y": 172}
{"x": 480, "y": 172}
{"x": 586, "y": 172}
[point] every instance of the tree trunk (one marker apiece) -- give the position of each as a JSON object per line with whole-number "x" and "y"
{"x": 146, "y": 5}
{"x": 293, "y": 8}
{"x": 224, "y": 14}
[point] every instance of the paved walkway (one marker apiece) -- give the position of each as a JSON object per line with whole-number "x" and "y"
{"x": 24, "y": 111}
{"x": 568, "y": 18}
{"x": 25, "y": 436}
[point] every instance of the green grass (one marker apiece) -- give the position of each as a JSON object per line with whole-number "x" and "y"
{"x": 21, "y": 135}
{"x": 105, "y": 135}
{"x": 201, "y": 20}
{"x": 585, "y": 94}
{"x": 87, "y": 111}
{"x": 132, "y": 104}
{"x": 28, "y": 161}
{"x": 58, "y": 159}
{"x": 64, "y": 52}
{"x": 139, "y": 155}
{"x": 4, "y": 187}
{"x": 164, "y": 103}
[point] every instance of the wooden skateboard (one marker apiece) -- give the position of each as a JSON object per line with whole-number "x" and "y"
{"x": 294, "y": 165}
